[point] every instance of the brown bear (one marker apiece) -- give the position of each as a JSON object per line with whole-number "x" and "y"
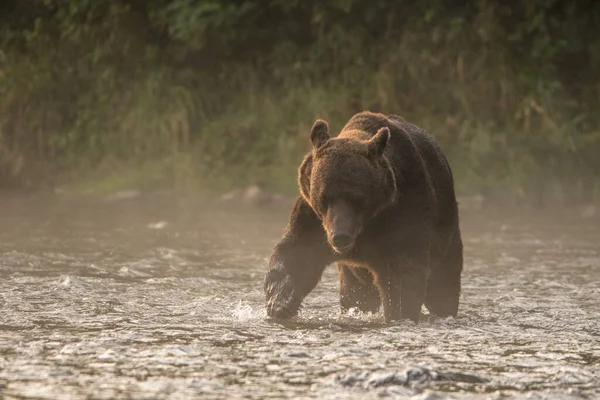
{"x": 378, "y": 200}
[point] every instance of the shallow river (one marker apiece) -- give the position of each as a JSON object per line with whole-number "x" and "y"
{"x": 154, "y": 298}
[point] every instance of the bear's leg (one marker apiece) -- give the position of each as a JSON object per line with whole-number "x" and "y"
{"x": 357, "y": 289}
{"x": 387, "y": 280}
{"x": 443, "y": 287}
{"x": 402, "y": 282}
{"x": 297, "y": 263}
{"x": 413, "y": 283}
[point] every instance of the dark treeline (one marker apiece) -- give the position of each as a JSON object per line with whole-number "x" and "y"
{"x": 217, "y": 93}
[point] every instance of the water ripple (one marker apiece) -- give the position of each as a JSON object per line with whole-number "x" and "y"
{"x": 159, "y": 301}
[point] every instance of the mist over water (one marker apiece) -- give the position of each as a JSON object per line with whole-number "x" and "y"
{"x": 161, "y": 298}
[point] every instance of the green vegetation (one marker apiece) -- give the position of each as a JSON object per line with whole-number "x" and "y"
{"x": 212, "y": 94}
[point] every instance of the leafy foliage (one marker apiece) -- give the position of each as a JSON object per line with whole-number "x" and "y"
{"x": 224, "y": 92}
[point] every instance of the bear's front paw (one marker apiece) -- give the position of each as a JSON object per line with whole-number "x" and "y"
{"x": 282, "y": 297}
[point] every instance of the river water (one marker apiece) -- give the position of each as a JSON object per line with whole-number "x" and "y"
{"x": 159, "y": 298}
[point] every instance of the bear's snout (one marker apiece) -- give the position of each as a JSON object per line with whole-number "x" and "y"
{"x": 341, "y": 224}
{"x": 342, "y": 241}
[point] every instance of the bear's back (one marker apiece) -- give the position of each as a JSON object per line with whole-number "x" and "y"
{"x": 421, "y": 168}
{"x": 409, "y": 142}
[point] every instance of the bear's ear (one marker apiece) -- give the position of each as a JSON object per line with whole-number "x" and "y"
{"x": 376, "y": 145}
{"x": 319, "y": 133}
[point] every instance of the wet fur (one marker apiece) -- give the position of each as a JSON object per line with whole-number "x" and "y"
{"x": 409, "y": 252}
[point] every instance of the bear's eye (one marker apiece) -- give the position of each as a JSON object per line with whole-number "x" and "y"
{"x": 326, "y": 201}
{"x": 354, "y": 201}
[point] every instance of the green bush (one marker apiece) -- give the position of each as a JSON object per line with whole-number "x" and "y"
{"x": 213, "y": 94}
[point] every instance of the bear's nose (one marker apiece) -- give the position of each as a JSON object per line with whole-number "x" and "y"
{"x": 342, "y": 241}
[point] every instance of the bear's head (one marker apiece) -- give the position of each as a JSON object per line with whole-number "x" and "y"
{"x": 347, "y": 181}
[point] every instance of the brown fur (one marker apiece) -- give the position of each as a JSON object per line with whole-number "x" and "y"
{"x": 379, "y": 200}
